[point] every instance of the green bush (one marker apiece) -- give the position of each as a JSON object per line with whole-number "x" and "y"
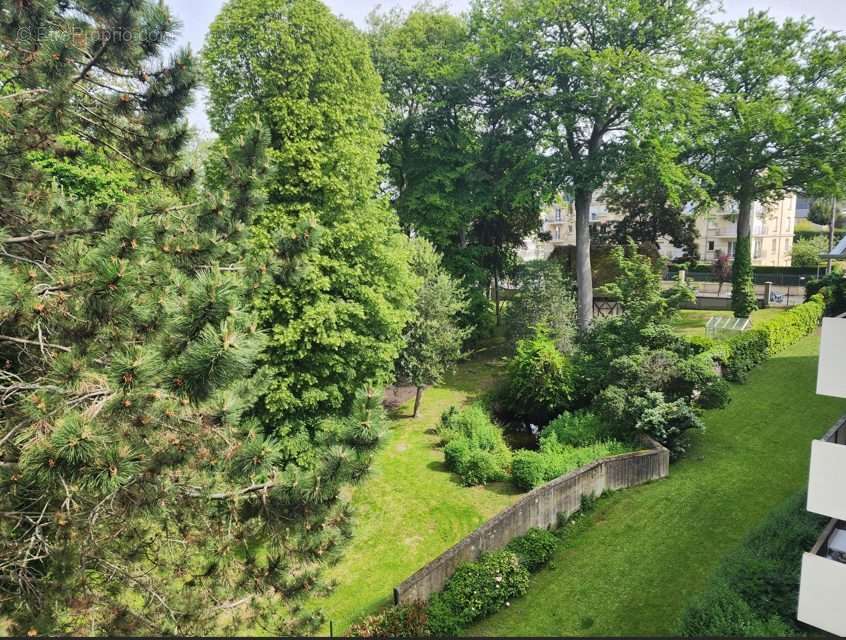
{"x": 475, "y": 447}
{"x": 481, "y": 467}
{"x": 400, "y": 621}
{"x": 749, "y": 349}
{"x": 530, "y": 469}
{"x": 534, "y": 548}
{"x": 833, "y": 289}
{"x": 577, "y": 428}
{"x": 476, "y": 590}
{"x": 715, "y": 395}
{"x": 650, "y": 413}
{"x": 539, "y": 380}
{"x": 755, "y": 590}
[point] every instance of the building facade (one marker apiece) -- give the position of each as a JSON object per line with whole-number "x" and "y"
{"x": 772, "y": 231}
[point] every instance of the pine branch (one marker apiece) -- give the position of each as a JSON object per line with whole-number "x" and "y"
{"x": 27, "y": 92}
{"x": 196, "y": 493}
{"x": 34, "y": 343}
{"x": 47, "y": 235}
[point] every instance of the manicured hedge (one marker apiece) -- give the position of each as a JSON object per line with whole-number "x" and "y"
{"x": 755, "y": 590}
{"x": 743, "y": 352}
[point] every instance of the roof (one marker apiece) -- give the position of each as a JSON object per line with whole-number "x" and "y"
{"x": 839, "y": 251}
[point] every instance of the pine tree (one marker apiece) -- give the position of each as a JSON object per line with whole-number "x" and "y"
{"x": 138, "y": 493}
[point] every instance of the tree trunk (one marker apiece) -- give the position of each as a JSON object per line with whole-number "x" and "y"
{"x": 496, "y": 293}
{"x": 832, "y": 222}
{"x": 743, "y": 288}
{"x": 417, "y": 398}
{"x": 584, "y": 277}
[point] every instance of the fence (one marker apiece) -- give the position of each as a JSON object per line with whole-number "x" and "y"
{"x": 542, "y": 508}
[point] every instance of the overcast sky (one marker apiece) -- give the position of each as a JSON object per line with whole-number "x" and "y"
{"x": 197, "y": 15}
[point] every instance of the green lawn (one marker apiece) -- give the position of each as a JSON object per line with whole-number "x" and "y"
{"x": 691, "y": 322}
{"x": 410, "y": 508}
{"x": 631, "y": 567}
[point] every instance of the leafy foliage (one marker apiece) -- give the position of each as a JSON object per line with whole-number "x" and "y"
{"x": 756, "y": 588}
{"x": 833, "y": 289}
{"x": 474, "y": 446}
{"x": 539, "y": 380}
{"x": 534, "y": 548}
{"x": 400, "y": 621}
{"x": 531, "y": 469}
{"x": 543, "y": 297}
{"x": 747, "y": 350}
{"x": 338, "y": 291}
{"x": 806, "y": 252}
{"x": 577, "y": 429}
{"x": 434, "y": 336}
{"x": 476, "y": 590}
{"x": 772, "y": 89}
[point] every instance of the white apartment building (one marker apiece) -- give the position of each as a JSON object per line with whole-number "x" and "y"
{"x": 772, "y": 231}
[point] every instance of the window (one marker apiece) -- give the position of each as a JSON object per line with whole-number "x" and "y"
{"x": 558, "y": 214}
{"x": 758, "y": 247}
{"x": 730, "y": 252}
{"x": 571, "y": 229}
{"x": 710, "y": 245}
{"x": 775, "y": 246}
{"x": 558, "y": 233}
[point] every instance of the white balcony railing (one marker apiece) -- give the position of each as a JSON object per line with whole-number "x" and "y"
{"x": 822, "y": 585}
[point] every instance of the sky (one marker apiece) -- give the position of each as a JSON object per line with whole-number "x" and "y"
{"x": 196, "y": 15}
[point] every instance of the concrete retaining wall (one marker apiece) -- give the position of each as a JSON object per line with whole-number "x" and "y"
{"x": 540, "y": 508}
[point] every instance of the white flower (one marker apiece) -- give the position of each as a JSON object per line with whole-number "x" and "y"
{"x": 499, "y": 578}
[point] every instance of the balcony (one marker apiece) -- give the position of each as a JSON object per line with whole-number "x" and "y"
{"x": 822, "y": 590}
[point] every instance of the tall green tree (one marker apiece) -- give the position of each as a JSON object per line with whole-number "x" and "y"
{"x": 591, "y": 69}
{"x": 435, "y": 334}
{"x": 338, "y": 296}
{"x": 775, "y": 92}
{"x": 464, "y": 167}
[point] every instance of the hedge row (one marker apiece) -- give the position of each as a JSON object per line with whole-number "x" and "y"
{"x": 745, "y": 351}
{"x": 755, "y": 590}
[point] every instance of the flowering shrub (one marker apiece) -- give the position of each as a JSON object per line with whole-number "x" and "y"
{"x": 476, "y": 590}
{"x": 401, "y": 621}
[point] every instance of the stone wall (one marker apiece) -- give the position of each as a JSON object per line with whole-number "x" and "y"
{"x": 542, "y": 508}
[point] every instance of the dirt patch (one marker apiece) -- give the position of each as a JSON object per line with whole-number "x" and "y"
{"x": 396, "y": 396}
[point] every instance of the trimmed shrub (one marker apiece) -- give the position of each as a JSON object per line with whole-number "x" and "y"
{"x": 530, "y": 469}
{"x": 755, "y": 590}
{"x": 476, "y": 590}
{"x": 539, "y": 380}
{"x": 749, "y": 349}
{"x": 400, "y": 621}
{"x": 715, "y": 396}
{"x": 475, "y": 447}
{"x": 534, "y": 548}
{"x": 577, "y": 428}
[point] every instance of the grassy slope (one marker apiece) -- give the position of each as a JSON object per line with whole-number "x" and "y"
{"x": 632, "y": 566}
{"x": 410, "y": 508}
{"x": 691, "y": 322}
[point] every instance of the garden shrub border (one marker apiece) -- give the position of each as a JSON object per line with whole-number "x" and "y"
{"x": 738, "y": 355}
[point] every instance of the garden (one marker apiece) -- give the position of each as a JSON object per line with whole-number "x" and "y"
{"x": 526, "y": 424}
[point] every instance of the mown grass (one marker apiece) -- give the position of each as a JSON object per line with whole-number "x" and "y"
{"x": 634, "y": 564}
{"x": 410, "y": 508}
{"x": 691, "y": 322}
